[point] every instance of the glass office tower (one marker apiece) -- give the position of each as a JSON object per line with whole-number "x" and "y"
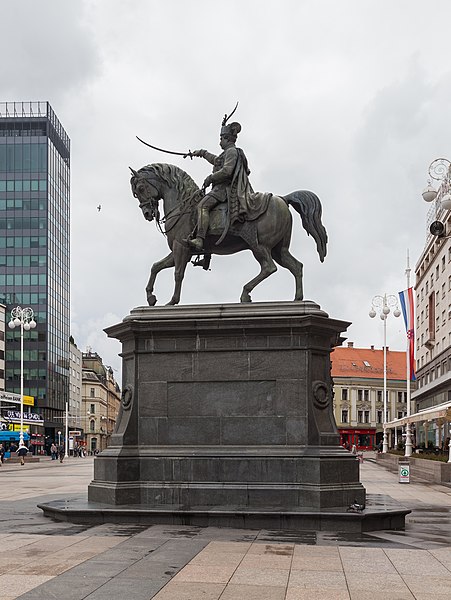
{"x": 35, "y": 252}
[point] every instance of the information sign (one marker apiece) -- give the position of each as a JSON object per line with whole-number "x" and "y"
{"x": 404, "y": 472}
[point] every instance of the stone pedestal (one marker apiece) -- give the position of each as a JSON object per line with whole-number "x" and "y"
{"x": 227, "y": 408}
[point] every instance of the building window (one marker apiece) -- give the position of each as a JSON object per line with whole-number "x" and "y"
{"x": 92, "y": 425}
{"x": 344, "y": 416}
{"x": 363, "y": 395}
{"x": 366, "y": 416}
{"x": 379, "y": 414}
{"x": 92, "y": 393}
{"x": 360, "y": 416}
{"x": 93, "y": 409}
{"x": 344, "y": 394}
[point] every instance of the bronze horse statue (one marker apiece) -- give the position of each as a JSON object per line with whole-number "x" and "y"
{"x": 267, "y": 237}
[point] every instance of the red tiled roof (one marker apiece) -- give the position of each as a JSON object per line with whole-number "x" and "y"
{"x": 367, "y": 363}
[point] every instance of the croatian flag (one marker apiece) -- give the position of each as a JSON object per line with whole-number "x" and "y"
{"x": 406, "y": 299}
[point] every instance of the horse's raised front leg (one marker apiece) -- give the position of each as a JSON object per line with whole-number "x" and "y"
{"x": 182, "y": 254}
{"x": 263, "y": 255}
{"x": 164, "y": 263}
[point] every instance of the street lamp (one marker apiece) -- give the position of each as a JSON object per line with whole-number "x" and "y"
{"x": 439, "y": 170}
{"x": 383, "y": 305}
{"x": 23, "y": 318}
{"x": 59, "y": 438}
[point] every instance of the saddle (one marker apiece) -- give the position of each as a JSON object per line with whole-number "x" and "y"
{"x": 247, "y": 230}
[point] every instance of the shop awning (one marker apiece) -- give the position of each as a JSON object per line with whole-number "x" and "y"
{"x": 7, "y": 436}
{"x": 441, "y": 411}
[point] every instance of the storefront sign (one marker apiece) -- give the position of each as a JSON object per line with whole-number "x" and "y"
{"x": 9, "y": 397}
{"x": 26, "y": 428}
{"x": 15, "y": 398}
{"x": 14, "y": 415}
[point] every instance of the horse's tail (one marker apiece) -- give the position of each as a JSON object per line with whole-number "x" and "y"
{"x": 308, "y": 205}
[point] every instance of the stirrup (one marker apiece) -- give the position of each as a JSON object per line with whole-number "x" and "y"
{"x": 203, "y": 262}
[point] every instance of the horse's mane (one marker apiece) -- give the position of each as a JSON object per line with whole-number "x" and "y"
{"x": 174, "y": 177}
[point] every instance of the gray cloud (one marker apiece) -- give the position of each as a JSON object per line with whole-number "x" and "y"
{"x": 348, "y": 99}
{"x": 48, "y": 49}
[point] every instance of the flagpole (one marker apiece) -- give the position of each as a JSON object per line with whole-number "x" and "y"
{"x": 408, "y": 449}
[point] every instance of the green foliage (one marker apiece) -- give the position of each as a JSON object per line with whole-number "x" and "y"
{"x": 424, "y": 455}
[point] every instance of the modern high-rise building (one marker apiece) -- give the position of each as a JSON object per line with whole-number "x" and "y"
{"x": 2, "y": 347}
{"x": 35, "y": 252}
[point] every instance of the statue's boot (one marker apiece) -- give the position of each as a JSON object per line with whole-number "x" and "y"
{"x": 203, "y": 220}
{"x": 196, "y": 244}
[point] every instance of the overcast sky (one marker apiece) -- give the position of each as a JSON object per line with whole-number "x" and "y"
{"x": 347, "y": 98}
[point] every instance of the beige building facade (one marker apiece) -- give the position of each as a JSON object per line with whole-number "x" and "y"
{"x": 358, "y": 376}
{"x": 433, "y": 332}
{"x": 75, "y": 385}
{"x": 101, "y": 397}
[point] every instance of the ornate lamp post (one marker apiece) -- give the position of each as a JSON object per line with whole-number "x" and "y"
{"x": 383, "y": 305}
{"x": 23, "y": 318}
{"x": 439, "y": 170}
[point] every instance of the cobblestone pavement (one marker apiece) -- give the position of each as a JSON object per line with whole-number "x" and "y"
{"x": 44, "y": 559}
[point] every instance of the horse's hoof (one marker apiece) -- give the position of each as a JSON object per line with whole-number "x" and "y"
{"x": 245, "y": 298}
{"x": 172, "y": 303}
{"x": 151, "y": 300}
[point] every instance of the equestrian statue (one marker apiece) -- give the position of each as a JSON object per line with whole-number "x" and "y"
{"x": 229, "y": 218}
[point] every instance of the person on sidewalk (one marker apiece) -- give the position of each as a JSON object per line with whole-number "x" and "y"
{"x": 22, "y": 452}
{"x": 61, "y": 453}
{"x": 2, "y": 454}
{"x": 53, "y": 451}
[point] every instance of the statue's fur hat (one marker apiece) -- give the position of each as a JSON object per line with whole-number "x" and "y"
{"x": 232, "y": 129}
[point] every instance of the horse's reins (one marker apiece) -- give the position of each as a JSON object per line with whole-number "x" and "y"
{"x": 187, "y": 204}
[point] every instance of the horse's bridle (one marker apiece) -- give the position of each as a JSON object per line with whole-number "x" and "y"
{"x": 152, "y": 202}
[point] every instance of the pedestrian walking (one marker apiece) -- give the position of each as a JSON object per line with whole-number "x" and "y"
{"x": 22, "y": 452}
{"x": 61, "y": 452}
{"x": 2, "y": 454}
{"x": 53, "y": 451}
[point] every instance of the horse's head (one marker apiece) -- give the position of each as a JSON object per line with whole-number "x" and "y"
{"x": 146, "y": 189}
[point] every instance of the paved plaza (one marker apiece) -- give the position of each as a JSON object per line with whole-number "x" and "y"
{"x": 43, "y": 559}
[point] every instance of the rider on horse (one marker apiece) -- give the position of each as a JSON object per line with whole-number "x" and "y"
{"x": 230, "y": 183}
